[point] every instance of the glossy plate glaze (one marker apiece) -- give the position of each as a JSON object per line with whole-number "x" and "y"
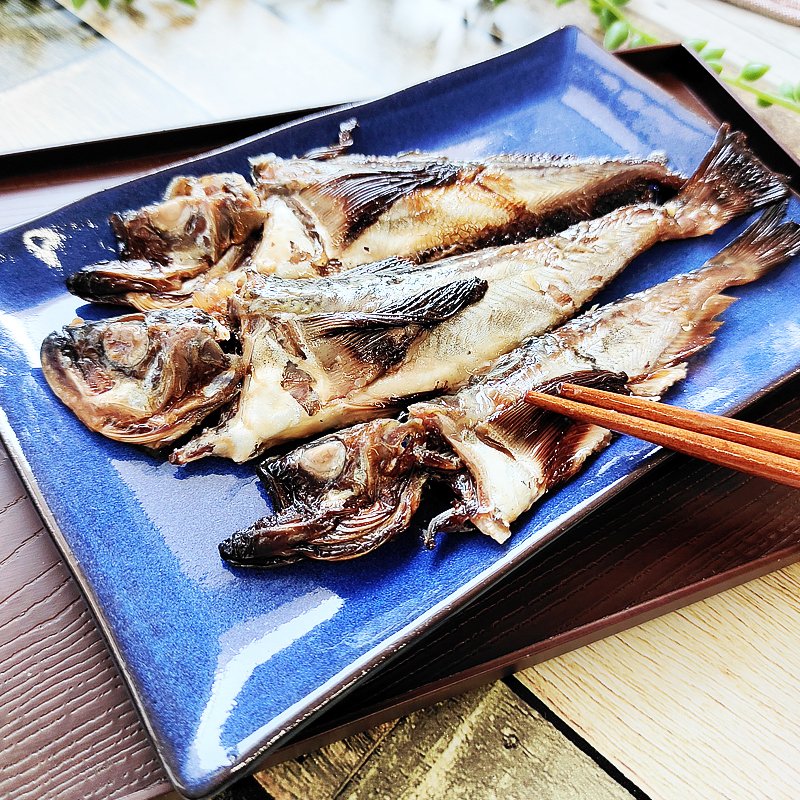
{"x": 222, "y": 662}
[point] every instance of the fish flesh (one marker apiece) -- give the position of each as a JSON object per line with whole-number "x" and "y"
{"x": 326, "y": 353}
{"x": 167, "y": 250}
{"x": 344, "y": 495}
{"x": 144, "y": 378}
{"x": 319, "y": 215}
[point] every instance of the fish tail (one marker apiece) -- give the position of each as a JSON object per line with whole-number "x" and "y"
{"x": 730, "y": 181}
{"x": 768, "y": 242}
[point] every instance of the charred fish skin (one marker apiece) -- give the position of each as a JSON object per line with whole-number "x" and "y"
{"x": 143, "y": 378}
{"x": 166, "y": 247}
{"x": 313, "y": 371}
{"x": 339, "y": 213}
{"x": 497, "y": 454}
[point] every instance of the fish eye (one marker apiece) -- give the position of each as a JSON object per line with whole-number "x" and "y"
{"x": 126, "y": 344}
{"x": 324, "y": 461}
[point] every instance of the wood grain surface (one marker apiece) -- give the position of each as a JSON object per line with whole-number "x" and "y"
{"x": 486, "y": 744}
{"x": 702, "y": 703}
{"x": 56, "y": 676}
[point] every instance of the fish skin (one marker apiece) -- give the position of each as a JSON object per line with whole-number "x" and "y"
{"x": 496, "y": 454}
{"x": 530, "y": 288}
{"x": 358, "y": 209}
{"x": 316, "y": 216}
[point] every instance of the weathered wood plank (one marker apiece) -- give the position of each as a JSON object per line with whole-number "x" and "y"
{"x": 486, "y": 744}
{"x": 700, "y": 703}
{"x": 320, "y": 775}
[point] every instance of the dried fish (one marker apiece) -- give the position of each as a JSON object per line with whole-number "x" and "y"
{"x": 200, "y": 231}
{"x": 318, "y": 215}
{"x": 336, "y": 214}
{"x": 346, "y": 494}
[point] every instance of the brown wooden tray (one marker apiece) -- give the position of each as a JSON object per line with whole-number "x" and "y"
{"x": 683, "y": 532}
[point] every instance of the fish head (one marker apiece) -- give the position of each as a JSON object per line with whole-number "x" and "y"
{"x": 143, "y": 378}
{"x": 337, "y": 497}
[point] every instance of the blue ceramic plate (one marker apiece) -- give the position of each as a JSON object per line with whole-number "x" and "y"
{"x": 221, "y": 662}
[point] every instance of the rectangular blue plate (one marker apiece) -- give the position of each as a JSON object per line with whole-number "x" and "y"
{"x": 221, "y": 662}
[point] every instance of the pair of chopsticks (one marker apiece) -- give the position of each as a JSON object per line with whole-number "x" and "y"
{"x": 743, "y": 446}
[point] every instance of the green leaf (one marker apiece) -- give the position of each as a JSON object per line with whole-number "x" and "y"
{"x": 763, "y": 103}
{"x": 786, "y": 90}
{"x": 193, "y": 3}
{"x": 595, "y": 6}
{"x": 696, "y": 44}
{"x": 104, "y": 3}
{"x": 78, "y": 3}
{"x": 715, "y": 65}
{"x": 560, "y": 3}
{"x": 637, "y": 40}
{"x": 797, "y": 93}
{"x": 619, "y": 3}
{"x": 753, "y": 71}
{"x": 606, "y": 18}
{"x": 616, "y": 35}
{"x": 712, "y": 53}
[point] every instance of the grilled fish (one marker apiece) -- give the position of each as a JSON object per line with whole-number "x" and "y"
{"x": 143, "y": 378}
{"x": 333, "y": 215}
{"x": 326, "y": 353}
{"x": 346, "y": 494}
{"x": 319, "y": 215}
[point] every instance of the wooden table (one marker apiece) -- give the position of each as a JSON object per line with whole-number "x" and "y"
{"x": 702, "y": 702}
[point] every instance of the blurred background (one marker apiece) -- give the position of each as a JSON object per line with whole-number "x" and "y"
{"x": 109, "y": 68}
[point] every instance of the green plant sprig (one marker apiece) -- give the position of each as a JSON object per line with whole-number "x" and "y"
{"x": 619, "y": 32}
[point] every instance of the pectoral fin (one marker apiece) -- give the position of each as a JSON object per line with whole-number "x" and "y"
{"x": 349, "y": 203}
{"x": 382, "y": 337}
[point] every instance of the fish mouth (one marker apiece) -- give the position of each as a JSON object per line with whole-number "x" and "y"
{"x": 326, "y": 535}
{"x": 112, "y": 281}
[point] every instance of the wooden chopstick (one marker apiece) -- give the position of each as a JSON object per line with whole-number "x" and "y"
{"x": 733, "y": 430}
{"x": 743, "y": 446}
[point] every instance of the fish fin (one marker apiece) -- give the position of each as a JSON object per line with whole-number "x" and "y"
{"x": 655, "y": 383}
{"x": 670, "y": 367}
{"x": 730, "y": 181}
{"x": 552, "y": 440}
{"x": 349, "y": 203}
{"x": 383, "y": 336}
{"x": 769, "y": 241}
{"x": 699, "y": 335}
{"x": 345, "y": 142}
